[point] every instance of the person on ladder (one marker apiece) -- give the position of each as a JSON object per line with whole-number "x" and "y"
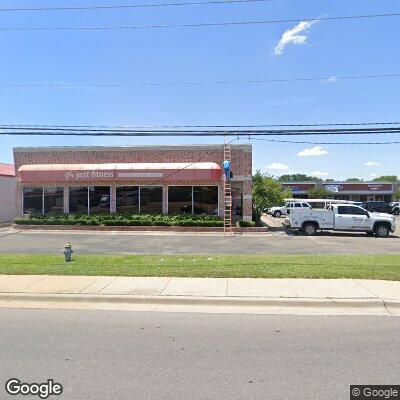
{"x": 227, "y": 169}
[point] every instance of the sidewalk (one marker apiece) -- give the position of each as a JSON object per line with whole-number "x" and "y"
{"x": 273, "y": 224}
{"x": 265, "y": 296}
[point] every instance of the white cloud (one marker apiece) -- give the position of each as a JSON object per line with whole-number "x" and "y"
{"x": 373, "y": 175}
{"x": 314, "y": 151}
{"x": 277, "y": 166}
{"x": 319, "y": 174}
{"x": 371, "y": 164}
{"x": 332, "y": 79}
{"x": 292, "y": 36}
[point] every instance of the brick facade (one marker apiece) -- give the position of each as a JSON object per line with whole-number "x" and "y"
{"x": 241, "y": 161}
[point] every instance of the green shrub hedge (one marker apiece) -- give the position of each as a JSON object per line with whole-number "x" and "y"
{"x": 246, "y": 224}
{"x": 103, "y": 219}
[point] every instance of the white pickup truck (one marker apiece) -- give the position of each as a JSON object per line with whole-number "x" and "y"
{"x": 341, "y": 217}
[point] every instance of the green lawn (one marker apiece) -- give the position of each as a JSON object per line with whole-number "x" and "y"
{"x": 250, "y": 266}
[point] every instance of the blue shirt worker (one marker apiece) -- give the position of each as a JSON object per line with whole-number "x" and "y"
{"x": 227, "y": 169}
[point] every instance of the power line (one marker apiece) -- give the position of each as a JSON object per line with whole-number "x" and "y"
{"x": 196, "y": 133}
{"x": 202, "y": 158}
{"x": 197, "y": 83}
{"x": 325, "y": 143}
{"x": 198, "y": 25}
{"x": 130, "y": 6}
{"x": 42, "y": 126}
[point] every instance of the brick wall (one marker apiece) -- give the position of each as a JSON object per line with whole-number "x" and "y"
{"x": 241, "y": 160}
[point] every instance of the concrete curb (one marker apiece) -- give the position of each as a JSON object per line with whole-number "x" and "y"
{"x": 215, "y": 302}
{"x": 155, "y": 229}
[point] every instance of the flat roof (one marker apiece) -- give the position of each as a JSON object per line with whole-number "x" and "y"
{"x": 246, "y": 147}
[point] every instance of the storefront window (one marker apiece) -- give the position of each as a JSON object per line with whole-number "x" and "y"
{"x": 180, "y": 200}
{"x": 99, "y": 199}
{"x": 128, "y": 199}
{"x": 33, "y": 200}
{"x": 53, "y": 200}
{"x": 151, "y": 199}
{"x": 78, "y": 199}
{"x": 205, "y": 200}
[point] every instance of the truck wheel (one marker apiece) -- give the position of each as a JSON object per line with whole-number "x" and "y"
{"x": 277, "y": 214}
{"x": 396, "y": 211}
{"x": 381, "y": 231}
{"x": 309, "y": 229}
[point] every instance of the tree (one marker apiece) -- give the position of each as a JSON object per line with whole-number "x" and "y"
{"x": 397, "y": 194}
{"x": 386, "y": 178}
{"x": 319, "y": 193}
{"x": 329, "y": 180}
{"x": 267, "y": 192}
{"x": 298, "y": 178}
{"x": 354, "y": 180}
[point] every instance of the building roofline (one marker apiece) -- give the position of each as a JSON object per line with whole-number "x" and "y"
{"x": 11, "y": 167}
{"x": 246, "y": 147}
{"x": 338, "y": 183}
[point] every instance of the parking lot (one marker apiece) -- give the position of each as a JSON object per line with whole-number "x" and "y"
{"x": 14, "y": 241}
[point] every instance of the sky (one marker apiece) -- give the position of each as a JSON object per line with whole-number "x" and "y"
{"x": 247, "y": 52}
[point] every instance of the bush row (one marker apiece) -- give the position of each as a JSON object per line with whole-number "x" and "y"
{"x": 121, "y": 220}
{"x": 246, "y": 224}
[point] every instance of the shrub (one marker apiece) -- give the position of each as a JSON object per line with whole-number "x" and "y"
{"x": 121, "y": 219}
{"x": 246, "y": 224}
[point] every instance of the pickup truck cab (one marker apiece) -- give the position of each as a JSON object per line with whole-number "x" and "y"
{"x": 341, "y": 217}
{"x": 395, "y": 207}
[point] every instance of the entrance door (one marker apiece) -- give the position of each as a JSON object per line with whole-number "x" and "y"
{"x": 237, "y": 202}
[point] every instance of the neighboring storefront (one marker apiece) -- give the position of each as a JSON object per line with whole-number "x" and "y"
{"x": 141, "y": 179}
{"x": 7, "y": 192}
{"x": 354, "y": 191}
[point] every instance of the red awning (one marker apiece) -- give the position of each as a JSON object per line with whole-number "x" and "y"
{"x": 134, "y": 172}
{"x": 7, "y": 170}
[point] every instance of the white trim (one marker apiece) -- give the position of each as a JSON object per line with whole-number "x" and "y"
{"x": 139, "y": 198}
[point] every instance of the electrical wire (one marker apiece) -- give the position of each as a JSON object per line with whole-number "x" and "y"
{"x": 198, "y": 126}
{"x": 195, "y": 83}
{"x": 128, "y": 6}
{"x": 195, "y": 133}
{"x": 200, "y": 159}
{"x": 198, "y": 25}
{"x": 325, "y": 143}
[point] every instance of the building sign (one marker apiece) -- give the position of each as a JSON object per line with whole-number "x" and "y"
{"x": 332, "y": 188}
{"x": 87, "y": 173}
{"x": 106, "y": 175}
{"x": 299, "y": 187}
{"x": 358, "y": 187}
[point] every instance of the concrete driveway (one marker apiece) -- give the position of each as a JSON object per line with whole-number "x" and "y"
{"x": 14, "y": 241}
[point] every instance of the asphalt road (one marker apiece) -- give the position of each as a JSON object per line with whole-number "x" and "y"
{"x": 129, "y": 355}
{"x": 121, "y": 242}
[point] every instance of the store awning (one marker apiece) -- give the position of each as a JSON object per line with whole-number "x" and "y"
{"x": 117, "y": 172}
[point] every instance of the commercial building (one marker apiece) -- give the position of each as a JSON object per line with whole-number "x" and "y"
{"x": 354, "y": 191}
{"x": 7, "y": 192}
{"x": 140, "y": 179}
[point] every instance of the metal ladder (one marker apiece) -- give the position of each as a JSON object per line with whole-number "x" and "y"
{"x": 228, "y": 228}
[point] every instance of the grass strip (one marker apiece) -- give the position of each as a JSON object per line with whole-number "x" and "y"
{"x": 386, "y": 266}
